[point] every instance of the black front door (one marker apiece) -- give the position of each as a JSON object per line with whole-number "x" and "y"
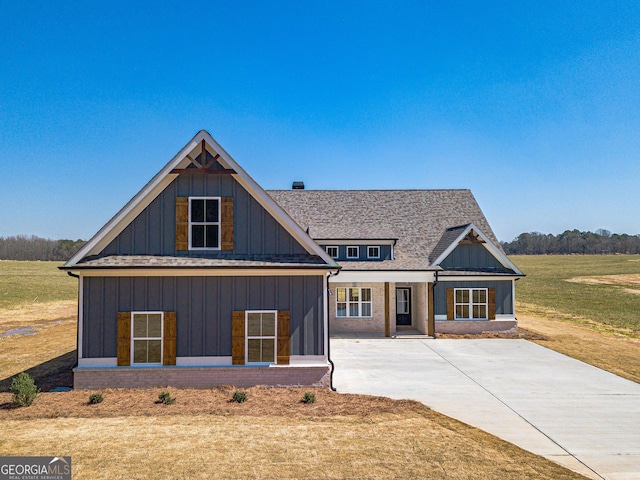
{"x": 403, "y": 306}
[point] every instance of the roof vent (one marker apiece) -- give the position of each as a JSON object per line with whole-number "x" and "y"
{"x": 297, "y": 186}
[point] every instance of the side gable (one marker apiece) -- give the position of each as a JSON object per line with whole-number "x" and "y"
{"x": 130, "y": 230}
{"x": 466, "y": 248}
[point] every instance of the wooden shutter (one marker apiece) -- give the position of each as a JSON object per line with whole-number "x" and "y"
{"x": 182, "y": 223}
{"x": 237, "y": 338}
{"x": 124, "y": 339}
{"x": 169, "y": 339}
{"x": 491, "y": 314}
{"x": 450, "y": 306}
{"x": 226, "y": 223}
{"x": 284, "y": 337}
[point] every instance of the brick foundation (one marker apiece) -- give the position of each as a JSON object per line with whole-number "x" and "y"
{"x": 461, "y": 327}
{"x": 199, "y": 377}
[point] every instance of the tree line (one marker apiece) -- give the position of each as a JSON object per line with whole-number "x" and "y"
{"x": 23, "y": 247}
{"x": 573, "y": 241}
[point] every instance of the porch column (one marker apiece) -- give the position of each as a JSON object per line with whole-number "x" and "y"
{"x": 431, "y": 318}
{"x": 387, "y": 316}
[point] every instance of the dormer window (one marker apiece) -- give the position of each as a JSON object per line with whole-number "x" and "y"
{"x": 373, "y": 252}
{"x": 204, "y": 223}
{"x": 353, "y": 252}
{"x": 332, "y": 251}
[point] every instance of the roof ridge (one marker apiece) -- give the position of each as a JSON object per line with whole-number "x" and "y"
{"x": 374, "y": 190}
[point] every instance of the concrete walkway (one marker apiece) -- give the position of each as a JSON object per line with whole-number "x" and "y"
{"x": 572, "y": 413}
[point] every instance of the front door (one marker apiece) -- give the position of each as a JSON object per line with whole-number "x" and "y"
{"x": 403, "y": 306}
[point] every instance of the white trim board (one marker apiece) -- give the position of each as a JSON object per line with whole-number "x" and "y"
{"x": 373, "y": 276}
{"x": 295, "y": 360}
{"x": 163, "y": 178}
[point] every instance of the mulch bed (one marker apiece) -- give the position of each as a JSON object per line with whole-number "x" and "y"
{"x": 261, "y": 401}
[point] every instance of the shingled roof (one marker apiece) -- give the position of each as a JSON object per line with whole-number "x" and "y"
{"x": 418, "y": 219}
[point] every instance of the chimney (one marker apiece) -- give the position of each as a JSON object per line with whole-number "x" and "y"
{"x": 297, "y": 186}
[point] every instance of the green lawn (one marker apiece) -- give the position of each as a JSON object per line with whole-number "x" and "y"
{"x": 612, "y": 302}
{"x": 34, "y": 282}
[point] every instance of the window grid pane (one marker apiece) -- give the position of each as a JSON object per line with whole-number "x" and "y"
{"x": 261, "y": 337}
{"x": 204, "y": 222}
{"x": 353, "y": 302}
{"x": 471, "y": 303}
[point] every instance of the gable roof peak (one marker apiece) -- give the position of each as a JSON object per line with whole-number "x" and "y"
{"x": 166, "y": 175}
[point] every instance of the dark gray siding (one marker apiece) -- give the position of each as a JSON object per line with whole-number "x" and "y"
{"x": 203, "y": 307}
{"x": 385, "y": 252}
{"x": 471, "y": 257}
{"x": 504, "y": 299}
{"x": 256, "y": 232}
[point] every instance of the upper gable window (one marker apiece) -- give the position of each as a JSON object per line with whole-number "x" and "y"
{"x": 373, "y": 252}
{"x": 353, "y": 252}
{"x": 204, "y": 223}
{"x": 332, "y": 251}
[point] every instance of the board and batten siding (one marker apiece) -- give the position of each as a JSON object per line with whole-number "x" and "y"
{"x": 203, "y": 307}
{"x": 153, "y": 232}
{"x": 470, "y": 257}
{"x": 503, "y": 288}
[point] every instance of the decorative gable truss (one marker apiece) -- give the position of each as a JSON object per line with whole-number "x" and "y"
{"x": 471, "y": 235}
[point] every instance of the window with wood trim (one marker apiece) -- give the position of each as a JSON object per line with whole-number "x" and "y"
{"x": 260, "y": 337}
{"x": 471, "y": 304}
{"x": 204, "y": 223}
{"x": 146, "y": 338}
{"x": 353, "y": 302}
{"x": 373, "y": 252}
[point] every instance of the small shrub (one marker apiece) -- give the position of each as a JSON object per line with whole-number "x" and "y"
{"x": 95, "y": 398}
{"x": 24, "y": 390}
{"x": 166, "y": 398}
{"x": 239, "y": 397}
{"x": 308, "y": 397}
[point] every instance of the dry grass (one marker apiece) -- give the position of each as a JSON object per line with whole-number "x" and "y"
{"x": 39, "y": 339}
{"x": 272, "y": 435}
{"x": 605, "y": 348}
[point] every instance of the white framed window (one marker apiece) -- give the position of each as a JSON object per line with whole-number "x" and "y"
{"x": 373, "y": 252}
{"x": 332, "y": 251}
{"x": 353, "y": 252}
{"x": 471, "y": 303}
{"x": 146, "y": 338}
{"x": 261, "y": 336}
{"x": 353, "y": 302}
{"x": 204, "y": 223}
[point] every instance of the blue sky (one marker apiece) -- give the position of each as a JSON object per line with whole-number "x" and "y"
{"x": 534, "y": 106}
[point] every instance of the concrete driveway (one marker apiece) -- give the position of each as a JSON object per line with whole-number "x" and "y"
{"x": 572, "y": 413}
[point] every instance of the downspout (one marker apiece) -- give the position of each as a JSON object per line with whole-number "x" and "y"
{"x": 331, "y": 274}
{"x": 71, "y": 274}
